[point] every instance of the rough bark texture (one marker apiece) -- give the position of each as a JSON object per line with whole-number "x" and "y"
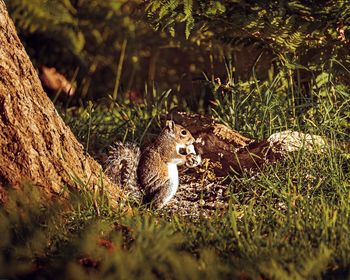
{"x": 35, "y": 144}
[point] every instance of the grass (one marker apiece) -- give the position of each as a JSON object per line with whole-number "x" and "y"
{"x": 291, "y": 221}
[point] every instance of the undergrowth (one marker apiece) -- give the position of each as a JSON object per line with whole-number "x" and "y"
{"x": 290, "y": 221}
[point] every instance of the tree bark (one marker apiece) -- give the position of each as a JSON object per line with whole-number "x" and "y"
{"x": 35, "y": 144}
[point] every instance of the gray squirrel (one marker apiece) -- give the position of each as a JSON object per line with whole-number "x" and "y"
{"x": 153, "y": 171}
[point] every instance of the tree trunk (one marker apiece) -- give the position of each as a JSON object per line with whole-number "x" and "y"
{"x": 35, "y": 144}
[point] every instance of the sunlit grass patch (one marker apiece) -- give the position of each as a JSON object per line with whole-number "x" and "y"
{"x": 291, "y": 220}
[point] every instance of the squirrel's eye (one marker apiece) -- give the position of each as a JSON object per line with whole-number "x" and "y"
{"x": 183, "y": 132}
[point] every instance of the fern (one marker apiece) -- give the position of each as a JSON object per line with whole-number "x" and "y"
{"x": 188, "y": 5}
{"x": 168, "y": 7}
{"x": 166, "y": 14}
{"x": 282, "y": 26}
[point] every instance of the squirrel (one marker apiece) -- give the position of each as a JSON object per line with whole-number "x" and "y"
{"x": 153, "y": 171}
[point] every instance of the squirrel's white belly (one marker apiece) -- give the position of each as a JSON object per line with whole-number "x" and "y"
{"x": 173, "y": 180}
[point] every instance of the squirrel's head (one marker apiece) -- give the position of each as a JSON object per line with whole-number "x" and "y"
{"x": 181, "y": 135}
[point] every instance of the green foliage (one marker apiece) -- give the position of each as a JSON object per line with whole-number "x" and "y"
{"x": 287, "y": 28}
{"x": 171, "y": 11}
{"x": 27, "y": 228}
{"x": 56, "y": 18}
{"x": 260, "y": 108}
{"x": 101, "y": 40}
{"x": 102, "y": 123}
{"x": 167, "y": 14}
{"x": 290, "y": 221}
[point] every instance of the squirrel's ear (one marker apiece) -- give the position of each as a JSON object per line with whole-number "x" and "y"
{"x": 170, "y": 125}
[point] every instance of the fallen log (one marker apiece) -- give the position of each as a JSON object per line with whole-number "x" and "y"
{"x": 232, "y": 152}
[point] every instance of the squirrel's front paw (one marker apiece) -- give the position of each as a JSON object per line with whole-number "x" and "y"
{"x": 193, "y": 160}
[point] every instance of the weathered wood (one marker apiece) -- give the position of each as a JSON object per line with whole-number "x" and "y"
{"x": 35, "y": 144}
{"x": 232, "y": 152}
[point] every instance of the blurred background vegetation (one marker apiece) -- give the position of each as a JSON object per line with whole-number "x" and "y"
{"x": 117, "y": 48}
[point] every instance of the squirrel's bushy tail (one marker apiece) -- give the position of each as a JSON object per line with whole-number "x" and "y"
{"x": 121, "y": 166}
